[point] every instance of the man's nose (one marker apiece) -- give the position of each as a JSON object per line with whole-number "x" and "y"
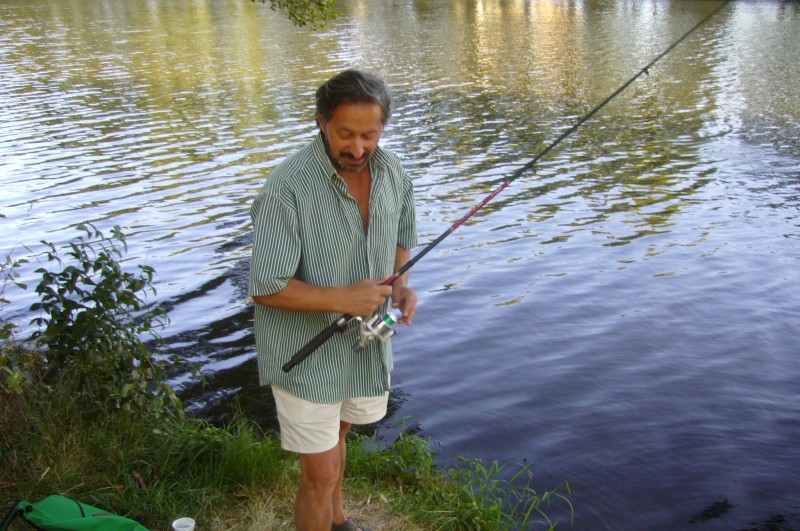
{"x": 358, "y": 149}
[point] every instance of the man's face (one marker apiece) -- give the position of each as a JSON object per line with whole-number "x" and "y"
{"x": 352, "y": 134}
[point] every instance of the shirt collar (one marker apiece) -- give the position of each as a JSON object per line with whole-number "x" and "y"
{"x": 321, "y": 156}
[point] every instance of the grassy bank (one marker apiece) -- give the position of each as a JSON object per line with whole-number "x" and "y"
{"x": 86, "y": 414}
{"x": 234, "y": 477}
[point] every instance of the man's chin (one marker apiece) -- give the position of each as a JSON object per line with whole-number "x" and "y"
{"x": 352, "y": 166}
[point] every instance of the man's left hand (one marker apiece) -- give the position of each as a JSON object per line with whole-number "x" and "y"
{"x": 405, "y": 300}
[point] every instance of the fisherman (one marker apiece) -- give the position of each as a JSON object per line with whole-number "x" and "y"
{"x": 332, "y": 222}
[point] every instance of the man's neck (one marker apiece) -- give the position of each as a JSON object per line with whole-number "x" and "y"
{"x": 359, "y": 185}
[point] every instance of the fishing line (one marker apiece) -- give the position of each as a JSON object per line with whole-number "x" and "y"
{"x": 341, "y": 323}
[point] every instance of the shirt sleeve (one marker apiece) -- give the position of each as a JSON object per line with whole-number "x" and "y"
{"x": 407, "y": 231}
{"x": 276, "y": 243}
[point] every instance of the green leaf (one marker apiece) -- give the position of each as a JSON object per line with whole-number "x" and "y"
{"x": 314, "y": 13}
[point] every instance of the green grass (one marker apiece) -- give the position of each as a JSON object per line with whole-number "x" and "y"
{"x": 237, "y": 477}
{"x": 470, "y": 496}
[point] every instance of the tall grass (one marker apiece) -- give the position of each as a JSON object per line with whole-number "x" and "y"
{"x": 470, "y": 496}
{"x": 134, "y": 465}
{"x": 154, "y": 473}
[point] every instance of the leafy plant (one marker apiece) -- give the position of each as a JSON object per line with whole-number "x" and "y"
{"x": 313, "y": 13}
{"x": 9, "y": 275}
{"x": 12, "y": 373}
{"x": 92, "y": 317}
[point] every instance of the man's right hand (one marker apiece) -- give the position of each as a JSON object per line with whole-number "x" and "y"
{"x": 364, "y": 297}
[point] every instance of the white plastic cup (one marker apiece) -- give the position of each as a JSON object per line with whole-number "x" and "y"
{"x": 183, "y": 524}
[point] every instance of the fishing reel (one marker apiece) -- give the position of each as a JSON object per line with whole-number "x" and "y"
{"x": 376, "y": 327}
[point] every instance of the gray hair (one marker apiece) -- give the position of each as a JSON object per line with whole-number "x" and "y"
{"x": 353, "y": 86}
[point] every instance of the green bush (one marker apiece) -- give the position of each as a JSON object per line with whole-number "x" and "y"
{"x": 12, "y": 372}
{"x": 88, "y": 337}
{"x": 314, "y": 13}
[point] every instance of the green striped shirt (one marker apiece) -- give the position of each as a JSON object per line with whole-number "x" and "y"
{"x": 308, "y": 227}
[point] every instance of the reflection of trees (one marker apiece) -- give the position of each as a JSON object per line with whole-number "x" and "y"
{"x": 176, "y": 62}
{"x": 480, "y": 85}
{"x": 527, "y": 71}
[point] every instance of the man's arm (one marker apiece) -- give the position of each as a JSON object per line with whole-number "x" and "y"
{"x": 403, "y": 297}
{"x": 359, "y": 299}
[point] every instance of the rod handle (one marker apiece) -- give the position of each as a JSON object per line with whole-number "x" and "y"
{"x": 337, "y": 326}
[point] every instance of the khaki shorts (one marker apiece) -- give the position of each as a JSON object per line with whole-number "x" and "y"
{"x": 311, "y": 428}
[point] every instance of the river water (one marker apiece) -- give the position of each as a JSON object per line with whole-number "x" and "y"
{"x": 625, "y": 317}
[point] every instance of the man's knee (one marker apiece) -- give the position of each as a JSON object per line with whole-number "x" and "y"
{"x": 320, "y": 471}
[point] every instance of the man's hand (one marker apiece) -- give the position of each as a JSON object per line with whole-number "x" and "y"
{"x": 404, "y": 299}
{"x": 364, "y": 297}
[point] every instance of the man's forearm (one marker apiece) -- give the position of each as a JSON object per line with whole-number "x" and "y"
{"x": 401, "y": 257}
{"x": 361, "y": 298}
{"x": 298, "y": 296}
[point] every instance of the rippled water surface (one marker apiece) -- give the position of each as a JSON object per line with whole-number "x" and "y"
{"x": 626, "y": 317}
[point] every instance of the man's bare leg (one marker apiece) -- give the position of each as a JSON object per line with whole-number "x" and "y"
{"x": 319, "y": 477}
{"x": 339, "y": 516}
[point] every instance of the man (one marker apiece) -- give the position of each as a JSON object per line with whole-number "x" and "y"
{"x": 331, "y": 223}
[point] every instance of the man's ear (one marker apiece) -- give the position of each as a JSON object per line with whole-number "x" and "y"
{"x": 320, "y": 121}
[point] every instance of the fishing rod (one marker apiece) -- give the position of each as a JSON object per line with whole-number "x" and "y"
{"x": 379, "y": 326}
